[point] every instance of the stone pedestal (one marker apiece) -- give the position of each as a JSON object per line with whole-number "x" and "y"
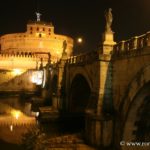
{"x": 107, "y": 42}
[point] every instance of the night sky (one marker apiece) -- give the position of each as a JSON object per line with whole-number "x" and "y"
{"x": 75, "y": 18}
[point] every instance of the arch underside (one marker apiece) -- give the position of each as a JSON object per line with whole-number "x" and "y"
{"x": 79, "y": 94}
{"x": 54, "y": 85}
{"x": 136, "y": 126}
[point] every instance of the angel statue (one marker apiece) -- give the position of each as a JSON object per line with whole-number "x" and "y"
{"x": 109, "y": 19}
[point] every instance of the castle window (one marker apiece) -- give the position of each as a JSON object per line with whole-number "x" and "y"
{"x": 43, "y": 29}
{"x": 49, "y": 30}
{"x": 31, "y": 32}
{"x": 37, "y": 29}
{"x": 31, "y": 28}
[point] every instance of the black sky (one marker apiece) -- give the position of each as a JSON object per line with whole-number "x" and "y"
{"x": 78, "y": 17}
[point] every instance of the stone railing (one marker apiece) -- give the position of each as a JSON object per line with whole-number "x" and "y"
{"x": 84, "y": 58}
{"x": 134, "y": 43}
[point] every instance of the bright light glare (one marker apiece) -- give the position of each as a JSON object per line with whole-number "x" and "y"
{"x": 16, "y": 114}
{"x": 37, "y": 77}
{"x": 11, "y": 128}
{"x": 17, "y": 71}
{"x": 37, "y": 114}
{"x": 79, "y": 40}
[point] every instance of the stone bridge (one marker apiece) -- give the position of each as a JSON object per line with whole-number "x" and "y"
{"x": 111, "y": 87}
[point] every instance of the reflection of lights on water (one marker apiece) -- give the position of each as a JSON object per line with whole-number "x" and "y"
{"x": 37, "y": 114}
{"x": 17, "y": 71}
{"x": 16, "y": 114}
{"x": 11, "y": 128}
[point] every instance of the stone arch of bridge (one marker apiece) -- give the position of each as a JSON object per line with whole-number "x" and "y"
{"x": 135, "y": 110}
{"x": 85, "y": 74}
{"x": 79, "y": 94}
{"x": 54, "y": 84}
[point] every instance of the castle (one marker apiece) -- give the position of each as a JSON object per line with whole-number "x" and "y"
{"x": 25, "y": 50}
{"x": 35, "y": 48}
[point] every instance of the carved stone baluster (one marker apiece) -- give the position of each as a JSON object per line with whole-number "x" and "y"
{"x": 122, "y": 45}
{"x": 135, "y": 42}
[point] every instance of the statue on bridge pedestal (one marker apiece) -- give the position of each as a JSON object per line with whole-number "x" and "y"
{"x": 108, "y": 35}
{"x": 109, "y": 19}
{"x": 64, "y": 46}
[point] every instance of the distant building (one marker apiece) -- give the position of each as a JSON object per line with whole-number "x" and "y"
{"x": 39, "y": 38}
{"x": 23, "y": 53}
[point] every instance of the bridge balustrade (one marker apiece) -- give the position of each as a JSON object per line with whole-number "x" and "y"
{"x": 78, "y": 59}
{"x": 140, "y": 42}
{"x": 121, "y": 46}
{"x": 127, "y": 45}
{"x": 134, "y": 43}
{"x": 148, "y": 38}
{"x": 83, "y": 58}
{"x": 74, "y": 60}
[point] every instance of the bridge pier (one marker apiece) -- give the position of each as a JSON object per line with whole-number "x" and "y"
{"x": 61, "y": 82}
{"x": 99, "y": 125}
{"x": 55, "y": 102}
{"x": 99, "y": 130}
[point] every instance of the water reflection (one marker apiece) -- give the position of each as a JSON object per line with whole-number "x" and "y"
{"x": 13, "y": 122}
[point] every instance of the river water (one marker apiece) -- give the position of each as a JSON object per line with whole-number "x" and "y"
{"x": 11, "y": 140}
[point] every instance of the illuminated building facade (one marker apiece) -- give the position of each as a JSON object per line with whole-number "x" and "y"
{"x": 39, "y": 38}
{"x": 29, "y": 51}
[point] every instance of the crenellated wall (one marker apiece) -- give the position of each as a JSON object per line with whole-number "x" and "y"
{"x": 23, "y": 60}
{"x": 8, "y": 61}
